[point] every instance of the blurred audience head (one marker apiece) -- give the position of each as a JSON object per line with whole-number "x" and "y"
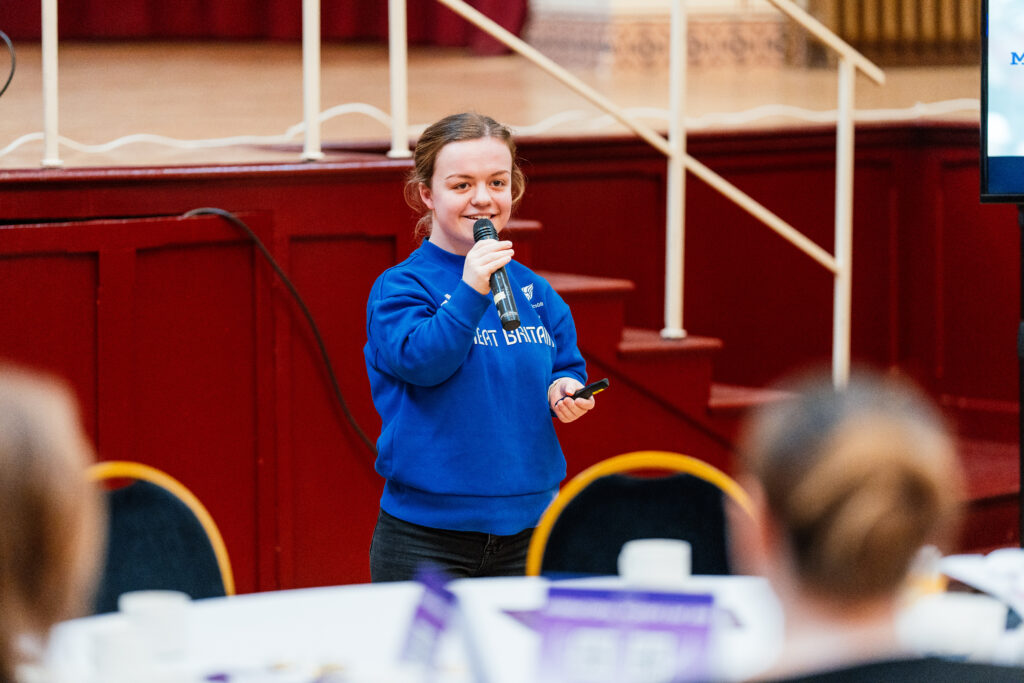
{"x": 850, "y": 483}
{"x": 50, "y": 514}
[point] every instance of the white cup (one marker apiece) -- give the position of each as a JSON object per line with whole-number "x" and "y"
{"x": 654, "y": 561}
{"x": 160, "y": 618}
{"x": 119, "y": 655}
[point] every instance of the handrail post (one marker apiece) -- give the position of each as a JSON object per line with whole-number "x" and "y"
{"x": 311, "y": 150}
{"x": 51, "y": 154}
{"x": 675, "y": 208}
{"x": 843, "y": 298}
{"x": 399, "y": 71}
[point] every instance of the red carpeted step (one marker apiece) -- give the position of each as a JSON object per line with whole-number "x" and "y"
{"x": 992, "y": 470}
{"x": 598, "y": 308}
{"x": 664, "y": 380}
{"x": 732, "y": 399}
{"x": 522, "y": 231}
{"x": 675, "y": 370}
{"x": 636, "y": 342}
{"x": 728, "y": 405}
{"x": 573, "y": 284}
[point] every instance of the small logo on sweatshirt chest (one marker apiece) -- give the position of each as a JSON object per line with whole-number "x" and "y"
{"x": 528, "y": 292}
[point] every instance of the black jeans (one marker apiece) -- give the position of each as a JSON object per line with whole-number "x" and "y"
{"x": 399, "y": 548}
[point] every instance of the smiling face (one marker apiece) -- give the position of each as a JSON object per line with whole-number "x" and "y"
{"x": 472, "y": 180}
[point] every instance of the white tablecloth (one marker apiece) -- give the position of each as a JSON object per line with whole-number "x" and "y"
{"x": 358, "y": 631}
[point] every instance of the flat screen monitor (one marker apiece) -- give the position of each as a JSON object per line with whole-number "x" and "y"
{"x": 1002, "y": 101}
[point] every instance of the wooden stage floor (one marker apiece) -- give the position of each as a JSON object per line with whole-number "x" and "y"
{"x": 212, "y": 91}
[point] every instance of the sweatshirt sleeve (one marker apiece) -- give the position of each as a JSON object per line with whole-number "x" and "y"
{"x": 417, "y": 340}
{"x": 568, "y": 359}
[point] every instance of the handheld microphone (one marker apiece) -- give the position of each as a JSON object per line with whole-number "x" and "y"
{"x": 501, "y": 288}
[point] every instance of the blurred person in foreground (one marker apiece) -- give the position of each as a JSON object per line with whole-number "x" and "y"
{"x": 51, "y": 527}
{"x": 849, "y": 485}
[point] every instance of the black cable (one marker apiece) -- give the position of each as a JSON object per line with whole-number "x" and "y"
{"x": 232, "y": 218}
{"x": 14, "y": 61}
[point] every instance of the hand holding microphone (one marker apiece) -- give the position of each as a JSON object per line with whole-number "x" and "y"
{"x": 484, "y": 258}
{"x": 501, "y": 288}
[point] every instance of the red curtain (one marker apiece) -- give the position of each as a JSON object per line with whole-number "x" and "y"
{"x": 429, "y": 23}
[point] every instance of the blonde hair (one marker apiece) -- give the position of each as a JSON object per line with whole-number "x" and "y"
{"x": 454, "y": 128}
{"x": 50, "y": 513}
{"x": 857, "y": 479}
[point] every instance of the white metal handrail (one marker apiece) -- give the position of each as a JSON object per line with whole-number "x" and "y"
{"x": 51, "y": 156}
{"x": 840, "y": 264}
{"x": 311, "y": 148}
{"x": 398, "y": 72}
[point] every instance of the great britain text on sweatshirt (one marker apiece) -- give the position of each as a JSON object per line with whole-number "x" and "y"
{"x": 524, "y": 334}
{"x": 520, "y": 335}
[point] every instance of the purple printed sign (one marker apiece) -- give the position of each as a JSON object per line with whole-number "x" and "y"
{"x": 618, "y": 636}
{"x": 429, "y": 620}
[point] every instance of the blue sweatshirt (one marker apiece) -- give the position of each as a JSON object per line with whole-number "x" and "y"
{"x": 467, "y": 441}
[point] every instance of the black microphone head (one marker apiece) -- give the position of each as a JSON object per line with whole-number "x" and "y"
{"x": 483, "y": 229}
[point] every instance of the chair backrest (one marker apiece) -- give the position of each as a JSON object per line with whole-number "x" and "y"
{"x": 601, "y": 508}
{"x": 160, "y": 536}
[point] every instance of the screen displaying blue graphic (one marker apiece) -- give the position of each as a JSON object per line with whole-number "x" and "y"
{"x": 1002, "y": 101}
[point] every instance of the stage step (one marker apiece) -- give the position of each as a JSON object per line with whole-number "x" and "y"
{"x": 730, "y": 399}
{"x": 574, "y": 285}
{"x": 676, "y": 370}
{"x": 673, "y": 376}
{"x": 637, "y": 342}
{"x": 522, "y": 231}
{"x": 992, "y": 470}
{"x": 729, "y": 404}
{"x": 598, "y": 307}
{"x": 668, "y": 380}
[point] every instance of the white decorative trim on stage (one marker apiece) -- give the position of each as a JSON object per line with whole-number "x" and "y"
{"x": 574, "y": 119}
